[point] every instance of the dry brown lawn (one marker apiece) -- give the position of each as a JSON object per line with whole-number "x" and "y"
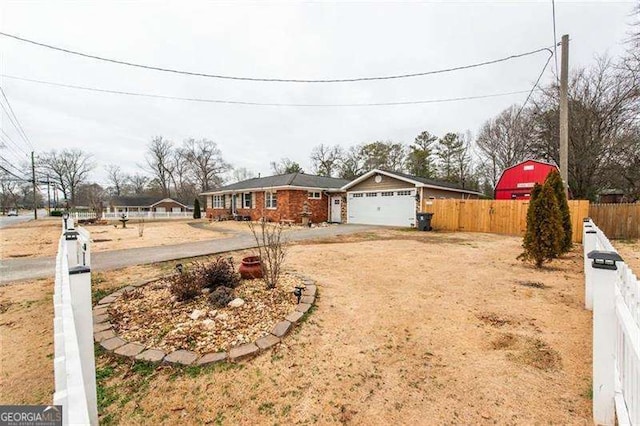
{"x": 630, "y": 252}
{"x": 40, "y": 238}
{"x": 410, "y": 328}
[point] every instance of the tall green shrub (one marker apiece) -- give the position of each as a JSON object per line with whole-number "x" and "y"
{"x": 555, "y": 181}
{"x": 196, "y": 209}
{"x": 544, "y": 233}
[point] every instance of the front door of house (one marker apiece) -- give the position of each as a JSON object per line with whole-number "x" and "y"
{"x": 336, "y": 209}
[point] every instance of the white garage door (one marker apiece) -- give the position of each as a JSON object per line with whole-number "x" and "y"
{"x": 395, "y": 208}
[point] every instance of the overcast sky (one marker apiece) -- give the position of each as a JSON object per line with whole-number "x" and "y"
{"x": 300, "y": 40}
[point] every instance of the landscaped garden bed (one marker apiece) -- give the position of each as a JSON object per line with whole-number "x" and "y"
{"x": 151, "y": 316}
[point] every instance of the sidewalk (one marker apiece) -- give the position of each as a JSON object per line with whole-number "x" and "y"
{"x": 23, "y": 269}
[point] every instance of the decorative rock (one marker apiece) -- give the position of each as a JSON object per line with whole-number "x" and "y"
{"x": 101, "y": 327}
{"x": 307, "y": 299}
{"x": 101, "y": 310}
{"x": 281, "y": 328}
{"x": 209, "y": 324}
{"x": 197, "y": 313}
{"x": 104, "y": 335}
{"x": 130, "y": 349}
{"x": 127, "y": 288}
{"x": 107, "y": 299}
{"x": 267, "y": 341}
{"x": 236, "y": 303}
{"x": 205, "y": 290}
{"x": 243, "y": 351}
{"x": 211, "y": 358}
{"x": 113, "y": 343}
{"x": 151, "y": 355}
{"x": 309, "y": 290}
{"x": 97, "y": 319}
{"x": 181, "y": 357}
{"x": 294, "y": 316}
{"x": 303, "y": 307}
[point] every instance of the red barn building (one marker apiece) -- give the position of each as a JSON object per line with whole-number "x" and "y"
{"x": 516, "y": 182}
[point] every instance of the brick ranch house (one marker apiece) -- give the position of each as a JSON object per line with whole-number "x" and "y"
{"x": 279, "y": 198}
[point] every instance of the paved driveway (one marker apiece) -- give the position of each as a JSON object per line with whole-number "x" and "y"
{"x": 21, "y": 269}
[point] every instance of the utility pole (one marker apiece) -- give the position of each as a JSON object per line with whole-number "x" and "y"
{"x": 48, "y": 196}
{"x": 564, "y": 114}
{"x": 33, "y": 176}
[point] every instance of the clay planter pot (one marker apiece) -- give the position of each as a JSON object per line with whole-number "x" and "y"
{"x": 250, "y": 268}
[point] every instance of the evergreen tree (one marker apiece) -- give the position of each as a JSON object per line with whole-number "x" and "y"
{"x": 420, "y": 160}
{"x": 555, "y": 181}
{"x": 543, "y": 237}
{"x": 196, "y": 209}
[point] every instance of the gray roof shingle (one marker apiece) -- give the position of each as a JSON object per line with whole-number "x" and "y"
{"x": 290, "y": 179}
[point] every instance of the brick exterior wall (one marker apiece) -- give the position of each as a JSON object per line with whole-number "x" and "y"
{"x": 290, "y": 207}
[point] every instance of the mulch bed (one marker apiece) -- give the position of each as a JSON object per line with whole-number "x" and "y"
{"x": 149, "y": 315}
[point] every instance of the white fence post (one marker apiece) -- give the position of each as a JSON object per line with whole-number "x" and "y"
{"x": 588, "y": 244}
{"x": 71, "y": 240}
{"x": 604, "y": 335}
{"x": 80, "y": 284}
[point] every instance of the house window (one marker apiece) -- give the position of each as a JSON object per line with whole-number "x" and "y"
{"x": 387, "y": 194}
{"x": 314, "y": 195}
{"x": 371, "y": 194}
{"x": 270, "y": 200}
{"x": 357, "y": 195}
{"x": 218, "y": 201}
{"x": 404, "y": 192}
{"x": 246, "y": 200}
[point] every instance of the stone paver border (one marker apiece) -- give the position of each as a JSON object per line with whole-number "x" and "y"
{"x": 104, "y": 334}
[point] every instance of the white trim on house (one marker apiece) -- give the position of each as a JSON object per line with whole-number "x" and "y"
{"x": 404, "y": 179}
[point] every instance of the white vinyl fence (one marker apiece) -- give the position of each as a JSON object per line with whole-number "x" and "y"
{"x": 74, "y": 363}
{"x": 612, "y": 291}
{"x": 135, "y": 215}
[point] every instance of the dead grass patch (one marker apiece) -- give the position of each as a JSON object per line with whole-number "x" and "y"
{"x": 538, "y": 354}
{"x": 496, "y": 320}
{"x": 532, "y": 284}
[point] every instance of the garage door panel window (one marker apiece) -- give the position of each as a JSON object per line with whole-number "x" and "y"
{"x": 405, "y": 192}
{"x": 357, "y": 195}
{"x": 387, "y": 194}
{"x": 371, "y": 194}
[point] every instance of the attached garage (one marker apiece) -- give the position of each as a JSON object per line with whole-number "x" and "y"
{"x": 393, "y": 208}
{"x": 380, "y": 197}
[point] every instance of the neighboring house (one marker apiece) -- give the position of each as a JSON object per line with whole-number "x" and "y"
{"x": 515, "y": 182}
{"x": 611, "y": 196}
{"x": 279, "y": 198}
{"x": 382, "y": 197}
{"x": 145, "y": 204}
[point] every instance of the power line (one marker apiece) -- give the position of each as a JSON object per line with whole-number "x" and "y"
{"x": 270, "y": 104}
{"x": 544, "y": 68}
{"x": 273, "y": 80}
{"x": 21, "y": 130}
{"x": 13, "y": 174}
{"x": 10, "y": 164}
{"x": 13, "y": 142}
{"x": 555, "y": 40}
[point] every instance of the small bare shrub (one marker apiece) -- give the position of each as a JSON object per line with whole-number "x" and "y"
{"x": 141, "y": 228}
{"x": 220, "y": 272}
{"x": 185, "y": 285}
{"x": 221, "y": 296}
{"x": 132, "y": 294}
{"x": 271, "y": 250}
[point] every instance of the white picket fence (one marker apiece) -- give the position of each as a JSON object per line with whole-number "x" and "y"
{"x": 612, "y": 291}
{"x": 74, "y": 362}
{"x": 135, "y": 215}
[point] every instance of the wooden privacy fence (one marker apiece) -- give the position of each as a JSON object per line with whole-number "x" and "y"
{"x": 493, "y": 216}
{"x": 617, "y": 220}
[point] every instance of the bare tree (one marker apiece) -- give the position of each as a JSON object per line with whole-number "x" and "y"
{"x": 325, "y": 159}
{"x": 286, "y": 166}
{"x": 242, "y": 173}
{"x": 92, "y": 195}
{"x": 68, "y": 168}
{"x": 116, "y": 178}
{"x": 9, "y": 191}
{"x": 205, "y": 162}
{"x": 181, "y": 176}
{"x": 159, "y": 162}
{"x": 604, "y": 104}
{"x": 504, "y": 141}
{"x": 352, "y": 164}
{"x": 138, "y": 183}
